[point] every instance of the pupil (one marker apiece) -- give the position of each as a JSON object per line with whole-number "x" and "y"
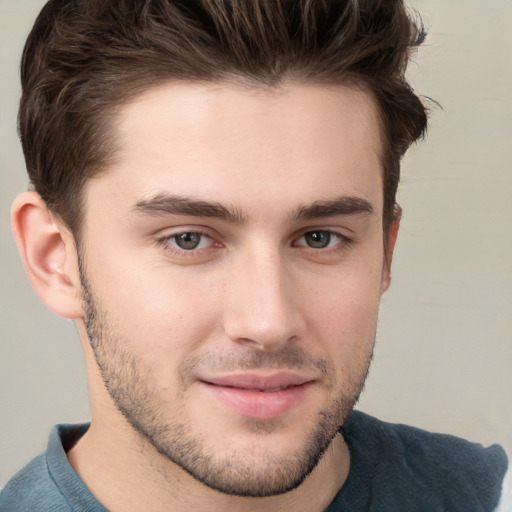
{"x": 188, "y": 240}
{"x": 318, "y": 239}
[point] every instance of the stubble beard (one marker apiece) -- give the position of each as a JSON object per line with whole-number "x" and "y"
{"x": 249, "y": 473}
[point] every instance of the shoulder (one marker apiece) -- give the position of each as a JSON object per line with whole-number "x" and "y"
{"x": 406, "y": 442}
{"x": 32, "y": 488}
{"x": 48, "y": 482}
{"x": 416, "y": 466}
{"x": 428, "y": 446}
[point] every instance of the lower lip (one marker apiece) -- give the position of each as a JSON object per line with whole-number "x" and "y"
{"x": 258, "y": 404}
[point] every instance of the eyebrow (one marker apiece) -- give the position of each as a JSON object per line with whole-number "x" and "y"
{"x": 163, "y": 204}
{"x": 344, "y": 205}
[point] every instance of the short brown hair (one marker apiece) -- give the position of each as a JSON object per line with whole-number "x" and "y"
{"x": 85, "y": 58}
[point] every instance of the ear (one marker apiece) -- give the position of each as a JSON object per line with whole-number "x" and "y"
{"x": 49, "y": 256}
{"x": 391, "y": 237}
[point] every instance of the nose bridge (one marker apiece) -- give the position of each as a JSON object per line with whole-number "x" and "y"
{"x": 262, "y": 307}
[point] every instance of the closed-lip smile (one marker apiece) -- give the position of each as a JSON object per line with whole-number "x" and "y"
{"x": 259, "y": 394}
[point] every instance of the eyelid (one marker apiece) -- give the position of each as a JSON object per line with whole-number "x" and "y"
{"x": 336, "y": 231}
{"x": 179, "y": 230}
{"x": 328, "y": 254}
{"x": 202, "y": 237}
{"x": 333, "y": 234}
{"x": 164, "y": 241}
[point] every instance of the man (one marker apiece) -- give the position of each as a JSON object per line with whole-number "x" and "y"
{"x": 214, "y": 206}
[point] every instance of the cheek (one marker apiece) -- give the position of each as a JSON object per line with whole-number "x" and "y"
{"x": 349, "y": 324}
{"x": 350, "y": 339}
{"x": 166, "y": 312}
{"x": 344, "y": 318}
{"x": 348, "y": 297}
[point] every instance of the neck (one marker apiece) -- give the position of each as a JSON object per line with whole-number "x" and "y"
{"x": 131, "y": 475}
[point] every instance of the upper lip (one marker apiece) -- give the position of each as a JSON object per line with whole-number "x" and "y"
{"x": 259, "y": 381}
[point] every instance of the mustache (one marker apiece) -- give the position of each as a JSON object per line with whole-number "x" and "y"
{"x": 289, "y": 358}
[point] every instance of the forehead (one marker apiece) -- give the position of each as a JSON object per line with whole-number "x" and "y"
{"x": 291, "y": 144}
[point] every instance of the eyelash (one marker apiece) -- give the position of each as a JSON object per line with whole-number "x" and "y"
{"x": 342, "y": 240}
{"x": 166, "y": 242}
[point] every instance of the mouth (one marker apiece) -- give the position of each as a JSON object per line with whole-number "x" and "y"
{"x": 257, "y": 395}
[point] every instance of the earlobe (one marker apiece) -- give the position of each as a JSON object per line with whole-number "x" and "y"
{"x": 48, "y": 253}
{"x": 391, "y": 235}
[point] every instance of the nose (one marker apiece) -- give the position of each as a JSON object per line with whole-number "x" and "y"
{"x": 263, "y": 303}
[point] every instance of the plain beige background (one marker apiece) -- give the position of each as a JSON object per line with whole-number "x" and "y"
{"x": 444, "y": 351}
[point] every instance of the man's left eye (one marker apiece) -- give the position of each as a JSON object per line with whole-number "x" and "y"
{"x": 320, "y": 239}
{"x": 190, "y": 240}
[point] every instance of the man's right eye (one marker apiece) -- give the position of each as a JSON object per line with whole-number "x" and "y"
{"x": 190, "y": 240}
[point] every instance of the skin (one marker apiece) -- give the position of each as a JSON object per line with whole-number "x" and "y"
{"x": 159, "y": 323}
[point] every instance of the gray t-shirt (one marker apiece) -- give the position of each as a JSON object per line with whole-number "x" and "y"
{"x": 48, "y": 483}
{"x": 394, "y": 468}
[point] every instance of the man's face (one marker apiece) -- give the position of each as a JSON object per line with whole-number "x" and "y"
{"x": 232, "y": 269}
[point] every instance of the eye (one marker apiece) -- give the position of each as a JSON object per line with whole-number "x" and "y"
{"x": 190, "y": 240}
{"x": 320, "y": 239}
